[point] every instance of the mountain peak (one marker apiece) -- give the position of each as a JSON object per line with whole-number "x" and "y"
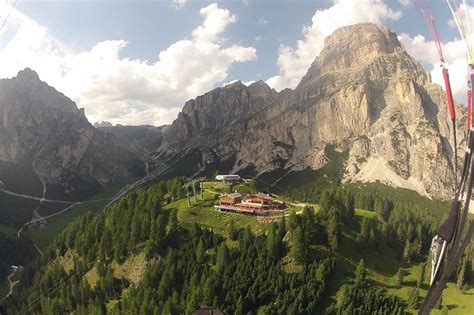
{"x": 354, "y": 46}
{"x": 259, "y": 83}
{"x": 352, "y": 49}
{"x": 379, "y": 39}
{"x": 235, "y": 85}
{"x": 27, "y": 74}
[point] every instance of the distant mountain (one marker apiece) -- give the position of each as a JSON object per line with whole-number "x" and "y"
{"x": 364, "y": 98}
{"x": 47, "y": 146}
{"x": 140, "y": 139}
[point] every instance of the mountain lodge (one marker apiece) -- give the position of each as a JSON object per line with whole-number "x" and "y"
{"x": 254, "y": 204}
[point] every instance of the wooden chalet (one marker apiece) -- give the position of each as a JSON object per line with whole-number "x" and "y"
{"x": 254, "y": 204}
{"x": 230, "y": 199}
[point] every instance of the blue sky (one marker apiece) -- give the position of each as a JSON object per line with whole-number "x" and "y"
{"x": 151, "y": 26}
{"x": 254, "y": 40}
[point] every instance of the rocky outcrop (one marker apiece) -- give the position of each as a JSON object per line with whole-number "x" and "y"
{"x": 43, "y": 131}
{"x": 363, "y": 95}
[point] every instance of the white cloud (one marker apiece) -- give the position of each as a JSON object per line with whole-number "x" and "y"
{"x": 455, "y": 57}
{"x": 293, "y": 62}
{"x": 178, "y": 4}
{"x": 406, "y": 3}
{"x": 123, "y": 90}
{"x": 249, "y": 83}
{"x": 262, "y": 20}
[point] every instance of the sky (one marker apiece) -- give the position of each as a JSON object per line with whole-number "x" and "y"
{"x": 138, "y": 61}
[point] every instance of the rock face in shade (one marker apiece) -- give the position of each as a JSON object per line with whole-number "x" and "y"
{"x": 48, "y": 140}
{"x": 363, "y": 95}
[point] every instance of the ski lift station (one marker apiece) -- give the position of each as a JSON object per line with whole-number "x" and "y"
{"x": 228, "y": 178}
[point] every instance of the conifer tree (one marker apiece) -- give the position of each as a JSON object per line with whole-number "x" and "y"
{"x": 231, "y": 232}
{"x": 200, "y": 252}
{"x": 299, "y": 244}
{"x": 222, "y": 257}
{"x": 399, "y": 277}
{"x": 360, "y": 273}
{"x": 421, "y": 275}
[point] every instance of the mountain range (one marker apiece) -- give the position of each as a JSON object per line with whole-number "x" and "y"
{"x": 364, "y": 99}
{"x": 364, "y": 96}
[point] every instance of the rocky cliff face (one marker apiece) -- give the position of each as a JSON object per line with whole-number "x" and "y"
{"x": 43, "y": 133}
{"x": 363, "y": 95}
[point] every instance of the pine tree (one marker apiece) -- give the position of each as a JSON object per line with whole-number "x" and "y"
{"x": 421, "y": 275}
{"x": 349, "y": 204}
{"x": 333, "y": 230}
{"x": 342, "y": 297}
{"x": 172, "y": 227}
{"x": 360, "y": 273}
{"x": 231, "y": 232}
{"x": 106, "y": 244}
{"x": 407, "y": 252}
{"x": 200, "y": 252}
{"x": 222, "y": 258}
{"x": 399, "y": 277}
{"x": 461, "y": 273}
{"x": 299, "y": 246}
{"x": 413, "y": 298}
{"x": 282, "y": 228}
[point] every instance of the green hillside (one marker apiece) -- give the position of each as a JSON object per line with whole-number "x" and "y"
{"x": 152, "y": 253}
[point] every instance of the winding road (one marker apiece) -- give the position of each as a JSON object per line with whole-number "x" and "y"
{"x": 35, "y": 198}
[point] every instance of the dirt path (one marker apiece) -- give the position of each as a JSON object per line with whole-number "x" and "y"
{"x": 37, "y": 248}
{"x": 12, "y": 284}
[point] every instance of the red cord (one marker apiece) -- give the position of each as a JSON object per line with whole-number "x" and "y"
{"x": 449, "y": 94}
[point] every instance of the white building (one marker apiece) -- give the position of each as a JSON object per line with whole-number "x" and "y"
{"x": 228, "y": 178}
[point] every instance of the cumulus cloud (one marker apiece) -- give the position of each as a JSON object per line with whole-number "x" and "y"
{"x": 455, "y": 57}
{"x": 406, "y": 3}
{"x": 122, "y": 90}
{"x": 178, "y": 4}
{"x": 293, "y": 62}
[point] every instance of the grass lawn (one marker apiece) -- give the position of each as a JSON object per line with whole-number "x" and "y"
{"x": 457, "y": 301}
{"x": 132, "y": 269}
{"x": 204, "y": 213}
{"x": 365, "y": 213}
{"x": 44, "y": 237}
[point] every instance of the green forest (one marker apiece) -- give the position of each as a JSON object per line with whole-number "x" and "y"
{"x": 138, "y": 257}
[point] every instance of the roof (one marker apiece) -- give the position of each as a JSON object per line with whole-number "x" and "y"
{"x": 233, "y": 195}
{"x": 260, "y": 195}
